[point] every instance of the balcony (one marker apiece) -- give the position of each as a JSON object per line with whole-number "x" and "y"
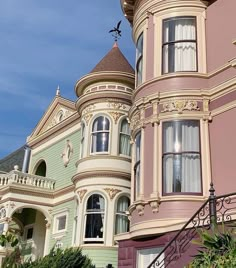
{"x": 16, "y": 177}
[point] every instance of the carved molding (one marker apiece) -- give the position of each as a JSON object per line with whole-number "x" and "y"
{"x": 88, "y": 109}
{"x": 154, "y": 204}
{"x": 112, "y": 192}
{"x": 67, "y": 153}
{"x": 180, "y": 106}
{"x": 140, "y": 209}
{"x": 60, "y": 116}
{"x": 3, "y": 213}
{"x": 135, "y": 121}
{"x": 116, "y": 105}
{"x": 116, "y": 116}
{"x": 81, "y": 194}
{"x": 87, "y": 118}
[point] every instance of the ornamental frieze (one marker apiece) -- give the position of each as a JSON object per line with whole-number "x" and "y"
{"x": 88, "y": 109}
{"x": 60, "y": 116}
{"x": 116, "y": 105}
{"x": 180, "y": 106}
{"x": 112, "y": 192}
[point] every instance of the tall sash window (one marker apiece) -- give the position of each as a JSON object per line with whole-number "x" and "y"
{"x": 124, "y": 138}
{"x": 181, "y": 157}
{"x": 122, "y": 222}
{"x": 139, "y": 59}
{"x": 100, "y": 134}
{"x": 179, "y": 48}
{"x": 137, "y": 164}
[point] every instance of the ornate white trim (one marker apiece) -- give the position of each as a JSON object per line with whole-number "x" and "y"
{"x": 81, "y": 194}
{"x": 112, "y": 192}
{"x": 180, "y": 106}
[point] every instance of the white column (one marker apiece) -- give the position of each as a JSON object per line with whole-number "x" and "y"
{"x": 132, "y": 196}
{"x": 47, "y": 239}
{"x": 156, "y": 166}
{"x": 141, "y": 196}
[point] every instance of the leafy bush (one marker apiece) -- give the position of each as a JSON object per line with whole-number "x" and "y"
{"x": 218, "y": 250}
{"x": 68, "y": 258}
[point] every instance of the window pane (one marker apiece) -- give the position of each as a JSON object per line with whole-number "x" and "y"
{"x": 61, "y": 223}
{"x": 100, "y": 142}
{"x": 29, "y": 234}
{"x": 125, "y": 147}
{"x": 179, "y": 44}
{"x": 94, "y": 226}
{"x": 96, "y": 202}
{"x": 101, "y": 123}
{"x": 139, "y": 59}
{"x": 181, "y": 157}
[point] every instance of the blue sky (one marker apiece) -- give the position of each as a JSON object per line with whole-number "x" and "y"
{"x": 48, "y": 43}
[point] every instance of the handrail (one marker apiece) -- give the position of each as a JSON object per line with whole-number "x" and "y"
{"x": 223, "y": 211}
{"x": 174, "y": 246}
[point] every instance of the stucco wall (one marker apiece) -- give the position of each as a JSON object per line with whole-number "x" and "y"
{"x": 223, "y": 148}
{"x": 55, "y": 166}
{"x": 220, "y": 32}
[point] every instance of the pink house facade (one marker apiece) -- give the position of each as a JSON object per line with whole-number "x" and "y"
{"x": 182, "y": 118}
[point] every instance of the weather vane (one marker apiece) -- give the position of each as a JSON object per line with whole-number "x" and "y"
{"x": 116, "y": 32}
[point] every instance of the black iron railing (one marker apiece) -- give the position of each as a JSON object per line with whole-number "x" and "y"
{"x": 215, "y": 210}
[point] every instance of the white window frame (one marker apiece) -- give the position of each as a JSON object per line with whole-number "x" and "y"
{"x": 200, "y": 15}
{"x": 56, "y": 222}
{"x": 140, "y": 256}
{"x": 100, "y": 131}
{"x": 137, "y": 164}
{"x": 122, "y": 213}
{"x": 82, "y": 141}
{"x": 139, "y": 59}
{"x": 127, "y": 135}
{"x": 94, "y": 239}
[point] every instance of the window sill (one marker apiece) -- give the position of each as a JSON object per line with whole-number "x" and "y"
{"x": 187, "y": 197}
{"x": 59, "y": 234}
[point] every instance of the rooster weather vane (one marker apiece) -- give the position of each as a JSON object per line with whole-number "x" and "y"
{"x": 116, "y": 32}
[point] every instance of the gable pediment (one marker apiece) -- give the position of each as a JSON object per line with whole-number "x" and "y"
{"x": 58, "y": 111}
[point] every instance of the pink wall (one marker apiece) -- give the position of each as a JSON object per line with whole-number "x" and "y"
{"x": 220, "y": 32}
{"x": 223, "y": 149}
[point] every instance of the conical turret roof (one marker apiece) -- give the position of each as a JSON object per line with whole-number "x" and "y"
{"x": 114, "y": 61}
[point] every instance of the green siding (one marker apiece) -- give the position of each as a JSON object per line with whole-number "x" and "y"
{"x": 67, "y": 238}
{"x": 55, "y": 166}
{"x": 102, "y": 257}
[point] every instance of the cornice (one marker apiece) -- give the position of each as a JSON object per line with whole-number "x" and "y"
{"x": 105, "y": 157}
{"x": 101, "y": 173}
{"x": 63, "y": 191}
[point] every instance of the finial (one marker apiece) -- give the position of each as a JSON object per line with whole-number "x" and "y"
{"x": 116, "y": 32}
{"x": 58, "y": 91}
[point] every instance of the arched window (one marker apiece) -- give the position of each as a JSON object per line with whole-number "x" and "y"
{"x": 100, "y": 135}
{"x": 122, "y": 221}
{"x": 137, "y": 164}
{"x": 124, "y": 138}
{"x": 41, "y": 169}
{"x": 94, "y": 218}
{"x": 82, "y": 140}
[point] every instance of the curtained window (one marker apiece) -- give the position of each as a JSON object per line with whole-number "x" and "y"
{"x": 181, "y": 157}
{"x": 82, "y": 140}
{"x": 125, "y": 138}
{"x": 94, "y": 218}
{"x": 179, "y": 48}
{"x": 137, "y": 164}
{"x": 100, "y": 135}
{"x": 122, "y": 221}
{"x": 139, "y": 59}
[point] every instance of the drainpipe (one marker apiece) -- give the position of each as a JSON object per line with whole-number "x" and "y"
{"x": 25, "y": 165}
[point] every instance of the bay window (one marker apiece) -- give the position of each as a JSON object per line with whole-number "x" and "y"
{"x": 94, "y": 218}
{"x": 179, "y": 47}
{"x": 124, "y": 138}
{"x": 100, "y": 134}
{"x": 137, "y": 164}
{"x": 122, "y": 221}
{"x": 181, "y": 157}
{"x": 139, "y": 59}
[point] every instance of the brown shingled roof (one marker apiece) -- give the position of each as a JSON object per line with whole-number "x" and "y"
{"x": 114, "y": 61}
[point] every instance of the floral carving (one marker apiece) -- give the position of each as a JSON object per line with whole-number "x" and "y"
{"x": 60, "y": 116}
{"x": 180, "y": 106}
{"x": 88, "y": 109}
{"x": 81, "y": 194}
{"x": 87, "y": 117}
{"x": 135, "y": 120}
{"x": 116, "y": 116}
{"x": 112, "y": 192}
{"x": 116, "y": 105}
